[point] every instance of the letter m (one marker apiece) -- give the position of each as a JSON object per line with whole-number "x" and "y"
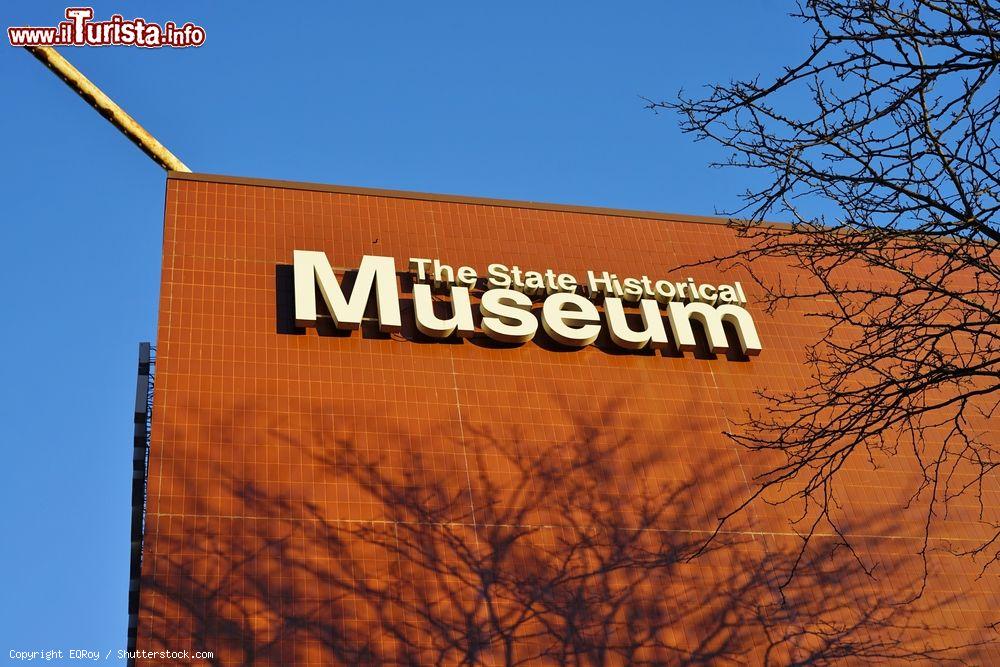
{"x": 313, "y": 269}
{"x": 711, "y": 320}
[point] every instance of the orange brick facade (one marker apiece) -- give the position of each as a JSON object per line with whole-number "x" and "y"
{"x": 318, "y": 497}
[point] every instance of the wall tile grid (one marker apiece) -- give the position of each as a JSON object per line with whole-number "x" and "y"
{"x": 366, "y": 498}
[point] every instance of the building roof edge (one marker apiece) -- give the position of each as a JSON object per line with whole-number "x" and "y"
{"x": 456, "y": 199}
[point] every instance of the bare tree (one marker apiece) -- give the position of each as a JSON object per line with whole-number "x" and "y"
{"x": 888, "y": 122}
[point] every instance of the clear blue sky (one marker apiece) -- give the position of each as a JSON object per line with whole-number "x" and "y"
{"x": 523, "y": 100}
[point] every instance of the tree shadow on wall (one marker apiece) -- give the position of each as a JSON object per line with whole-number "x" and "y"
{"x": 574, "y": 551}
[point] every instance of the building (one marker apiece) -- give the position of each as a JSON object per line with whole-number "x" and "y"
{"x": 319, "y": 495}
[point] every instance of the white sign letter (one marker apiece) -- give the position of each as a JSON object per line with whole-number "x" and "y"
{"x": 571, "y": 319}
{"x": 312, "y": 268}
{"x": 507, "y": 316}
{"x": 653, "y": 334}
{"x": 431, "y": 325}
{"x": 711, "y": 320}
